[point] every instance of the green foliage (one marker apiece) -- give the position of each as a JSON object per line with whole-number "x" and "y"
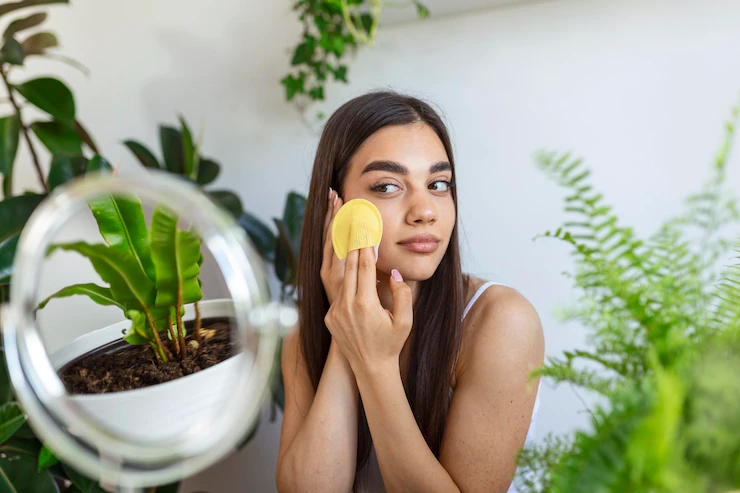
{"x": 331, "y": 30}
{"x": 664, "y": 329}
{"x": 150, "y": 275}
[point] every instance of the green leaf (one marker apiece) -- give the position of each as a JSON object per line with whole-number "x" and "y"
{"x": 340, "y": 73}
{"x": 18, "y": 474}
{"x": 98, "y": 294}
{"x": 284, "y": 256}
{"x": 18, "y": 25}
{"x": 189, "y": 151}
{"x": 172, "y": 149}
{"x": 208, "y": 171}
{"x": 176, "y": 254}
{"x": 304, "y": 52}
{"x": 10, "y": 7}
{"x": 85, "y": 484}
{"x": 7, "y": 254}
{"x": 14, "y": 212}
{"x": 143, "y": 154}
{"x": 59, "y": 137}
{"x": 16, "y": 445}
{"x": 98, "y": 163}
{"x": 6, "y": 389}
{"x": 38, "y": 43}
{"x": 293, "y": 85}
{"x": 228, "y": 200}
{"x": 421, "y": 11}
{"x": 316, "y": 93}
{"x": 262, "y": 237}
{"x": 49, "y": 95}
{"x": 12, "y": 52}
{"x": 12, "y": 418}
{"x": 122, "y": 225}
{"x": 65, "y": 168}
{"x": 10, "y": 128}
{"x": 293, "y": 212}
{"x": 129, "y": 284}
{"x": 85, "y": 136}
{"x": 46, "y": 458}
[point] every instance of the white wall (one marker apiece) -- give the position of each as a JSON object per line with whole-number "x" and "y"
{"x": 640, "y": 89}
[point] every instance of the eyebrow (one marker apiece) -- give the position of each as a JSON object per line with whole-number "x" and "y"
{"x": 394, "y": 167}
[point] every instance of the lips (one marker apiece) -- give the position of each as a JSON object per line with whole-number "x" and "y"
{"x": 423, "y": 243}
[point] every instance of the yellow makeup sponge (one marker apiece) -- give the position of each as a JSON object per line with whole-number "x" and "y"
{"x": 358, "y": 224}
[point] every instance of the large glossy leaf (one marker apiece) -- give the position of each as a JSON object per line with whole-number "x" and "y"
{"x": 65, "y": 168}
{"x": 49, "y": 95}
{"x": 85, "y": 137}
{"x": 6, "y": 390}
{"x": 284, "y": 256}
{"x": 12, "y": 418}
{"x": 83, "y": 483}
{"x": 7, "y": 254}
{"x": 38, "y": 43}
{"x": 172, "y": 149}
{"x": 189, "y": 151}
{"x": 142, "y": 153}
{"x": 15, "y": 446}
{"x": 12, "y": 6}
{"x": 98, "y": 163}
{"x": 128, "y": 282}
{"x": 228, "y": 200}
{"x": 14, "y": 212}
{"x": 98, "y": 294}
{"x": 176, "y": 254}
{"x": 262, "y": 237}
{"x": 122, "y": 224}
{"x": 10, "y": 128}
{"x": 18, "y": 474}
{"x": 18, "y": 25}
{"x": 208, "y": 171}
{"x": 46, "y": 458}
{"x": 295, "y": 208}
{"x": 59, "y": 137}
{"x": 12, "y": 52}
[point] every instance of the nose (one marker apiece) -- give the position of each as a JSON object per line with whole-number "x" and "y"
{"x": 423, "y": 209}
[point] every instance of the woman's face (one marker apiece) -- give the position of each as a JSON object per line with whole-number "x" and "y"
{"x": 404, "y": 170}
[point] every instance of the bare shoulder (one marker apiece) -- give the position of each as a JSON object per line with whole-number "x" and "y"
{"x": 502, "y": 323}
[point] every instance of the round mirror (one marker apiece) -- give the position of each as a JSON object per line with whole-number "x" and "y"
{"x": 140, "y": 334}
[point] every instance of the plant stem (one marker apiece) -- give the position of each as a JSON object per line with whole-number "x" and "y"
{"x": 167, "y": 355}
{"x": 197, "y": 322}
{"x": 173, "y": 335}
{"x": 25, "y": 131}
{"x": 180, "y": 326}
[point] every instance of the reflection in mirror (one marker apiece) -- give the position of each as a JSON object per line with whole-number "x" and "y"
{"x": 136, "y": 319}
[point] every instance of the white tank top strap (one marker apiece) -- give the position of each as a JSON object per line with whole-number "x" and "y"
{"x": 477, "y": 294}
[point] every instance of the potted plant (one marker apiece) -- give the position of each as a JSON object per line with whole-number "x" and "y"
{"x": 664, "y": 359}
{"x": 152, "y": 276}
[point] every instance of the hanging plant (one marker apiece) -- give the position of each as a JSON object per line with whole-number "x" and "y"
{"x": 331, "y": 30}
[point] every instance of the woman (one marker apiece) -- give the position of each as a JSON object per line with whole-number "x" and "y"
{"x": 404, "y": 375}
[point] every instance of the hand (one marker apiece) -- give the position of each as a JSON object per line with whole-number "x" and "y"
{"x": 369, "y": 335}
{"x": 332, "y": 267}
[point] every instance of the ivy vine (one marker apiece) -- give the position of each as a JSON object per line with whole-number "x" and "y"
{"x": 331, "y": 30}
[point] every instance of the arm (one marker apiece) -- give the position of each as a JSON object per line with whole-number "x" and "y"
{"x": 318, "y": 441}
{"x": 489, "y": 415}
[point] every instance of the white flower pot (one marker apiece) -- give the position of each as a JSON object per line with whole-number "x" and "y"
{"x": 159, "y": 411}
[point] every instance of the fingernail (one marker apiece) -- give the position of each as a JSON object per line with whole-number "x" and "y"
{"x": 396, "y": 275}
{"x": 330, "y": 190}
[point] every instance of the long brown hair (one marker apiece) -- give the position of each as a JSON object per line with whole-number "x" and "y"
{"x": 437, "y": 325}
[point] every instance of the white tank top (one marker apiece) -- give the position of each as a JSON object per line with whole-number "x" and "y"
{"x": 372, "y": 479}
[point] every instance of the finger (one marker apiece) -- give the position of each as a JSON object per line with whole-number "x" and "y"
{"x": 349, "y": 284}
{"x": 366, "y": 285}
{"x": 330, "y": 257}
{"x": 403, "y": 310}
{"x": 327, "y": 216}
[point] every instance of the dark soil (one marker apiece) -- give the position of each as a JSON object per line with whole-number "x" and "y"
{"x": 122, "y": 366}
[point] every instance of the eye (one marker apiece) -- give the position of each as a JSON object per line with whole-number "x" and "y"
{"x": 448, "y": 184}
{"x": 381, "y": 187}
